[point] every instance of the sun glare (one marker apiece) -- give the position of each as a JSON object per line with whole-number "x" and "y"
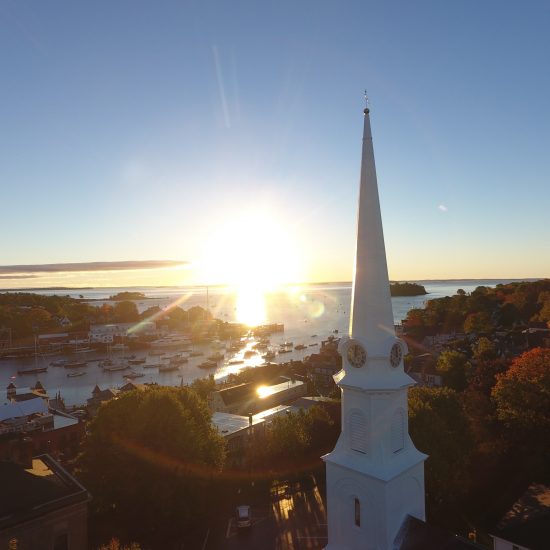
{"x": 250, "y": 305}
{"x": 263, "y": 391}
{"x": 253, "y": 252}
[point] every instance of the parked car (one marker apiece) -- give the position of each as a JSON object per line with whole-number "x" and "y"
{"x": 243, "y": 516}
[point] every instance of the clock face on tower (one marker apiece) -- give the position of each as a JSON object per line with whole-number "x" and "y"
{"x": 357, "y": 356}
{"x": 396, "y": 355}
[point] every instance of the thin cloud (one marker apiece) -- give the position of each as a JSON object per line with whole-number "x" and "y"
{"x": 18, "y": 276}
{"x": 221, "y": 86}
{"x": 88, "y": 266}
{"x": 443, "y": 208}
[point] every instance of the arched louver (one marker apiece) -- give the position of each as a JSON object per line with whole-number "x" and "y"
{"x": 398, "y": 431}
{"x": 358, "y": 431}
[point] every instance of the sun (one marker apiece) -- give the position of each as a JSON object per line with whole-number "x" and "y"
{"x": 254, "y": 251}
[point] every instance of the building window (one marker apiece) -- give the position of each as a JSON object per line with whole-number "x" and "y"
{"x": 358, "y": 432}
{"x": 357, "y": 512}
{"x": 398, "y": 431}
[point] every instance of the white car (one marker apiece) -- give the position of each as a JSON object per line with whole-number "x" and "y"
{"x": 243, "y": 516}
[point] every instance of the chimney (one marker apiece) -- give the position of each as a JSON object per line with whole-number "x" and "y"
{"x": 11, "y": 390}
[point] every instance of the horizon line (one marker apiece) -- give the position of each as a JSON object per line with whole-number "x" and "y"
{"x": 225, "y": 285}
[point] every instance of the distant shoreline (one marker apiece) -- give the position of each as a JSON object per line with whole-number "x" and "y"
{"x": 326, "y": 283}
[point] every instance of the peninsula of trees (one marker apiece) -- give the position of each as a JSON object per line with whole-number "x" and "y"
{"x": 485, "y": 310}
{"x": 24, "y": 314}
{"x": 407, "y": 289}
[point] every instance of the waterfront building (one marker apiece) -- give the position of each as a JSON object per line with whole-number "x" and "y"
{"x": 114, "y": 332}
{"x": 251, "y": 398}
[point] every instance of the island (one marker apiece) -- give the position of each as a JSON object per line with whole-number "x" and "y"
{"x": 407, "y": 289}
{"x": 127, "y": 296}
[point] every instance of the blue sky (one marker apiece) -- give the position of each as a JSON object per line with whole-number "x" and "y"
{"x": 139, "y": 130}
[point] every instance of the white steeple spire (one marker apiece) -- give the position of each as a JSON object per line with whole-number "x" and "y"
{"x": 375, "y": 475}
{"x": 371, "y": 318}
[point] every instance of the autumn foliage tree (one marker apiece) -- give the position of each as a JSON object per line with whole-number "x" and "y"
{"x": 294, "y": 441}
{"x": 522, "y": 394}
{"x": 454, "y": 368}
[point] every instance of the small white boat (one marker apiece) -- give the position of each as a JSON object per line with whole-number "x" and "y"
{"x": 208, "y": 365}
{"x": 115, "y": 368}
{"x": 133, "y": 375}
{"x": 75, "y": 374}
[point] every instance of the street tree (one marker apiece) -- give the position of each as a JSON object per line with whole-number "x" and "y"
{"x": 125, "y": 312}
{"x": 149, "y": 461}
{"x": 439, "y": 427}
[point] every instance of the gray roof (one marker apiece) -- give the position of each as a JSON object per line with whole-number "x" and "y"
{"x": 416, "y": 534}
{"x": 31, "y": 492}
{"x": 236, "y": 394}
{"x": 527, "y": 523}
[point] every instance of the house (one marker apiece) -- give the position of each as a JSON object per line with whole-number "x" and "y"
{"x": 42, "y": 506}
{"x": 427, "y": 379}
{"x": 239, "y": 430}
{"x": 526, "y": 526}
{"x": 324, "y": 365}
{"x": 100, "y": 396}
{"x": 37, "y": 390}
{"x": 53, "y": 339}
{"x": 44, "y": 429}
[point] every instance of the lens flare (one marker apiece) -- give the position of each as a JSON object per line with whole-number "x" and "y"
{"x": 250, "y": 305}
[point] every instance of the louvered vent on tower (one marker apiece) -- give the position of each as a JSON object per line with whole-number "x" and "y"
{"x": 358, "y": 431}
{"x": 398, "y": 431}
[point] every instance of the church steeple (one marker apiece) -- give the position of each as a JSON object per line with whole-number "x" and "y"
{"x": 371, "y": 318}
{"x": 371, "y": 329}
{"x": 375, "y": 475}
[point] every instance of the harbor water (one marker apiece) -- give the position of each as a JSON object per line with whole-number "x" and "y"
{"x": 310, "y": 313}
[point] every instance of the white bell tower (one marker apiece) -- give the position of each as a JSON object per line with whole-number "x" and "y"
{"x": 375, "y": 475}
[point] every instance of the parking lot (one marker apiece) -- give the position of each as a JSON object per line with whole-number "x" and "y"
{"x": 293, "y": 519}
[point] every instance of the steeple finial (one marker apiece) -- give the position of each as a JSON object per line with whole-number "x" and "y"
{"x": 365, "y": 95}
